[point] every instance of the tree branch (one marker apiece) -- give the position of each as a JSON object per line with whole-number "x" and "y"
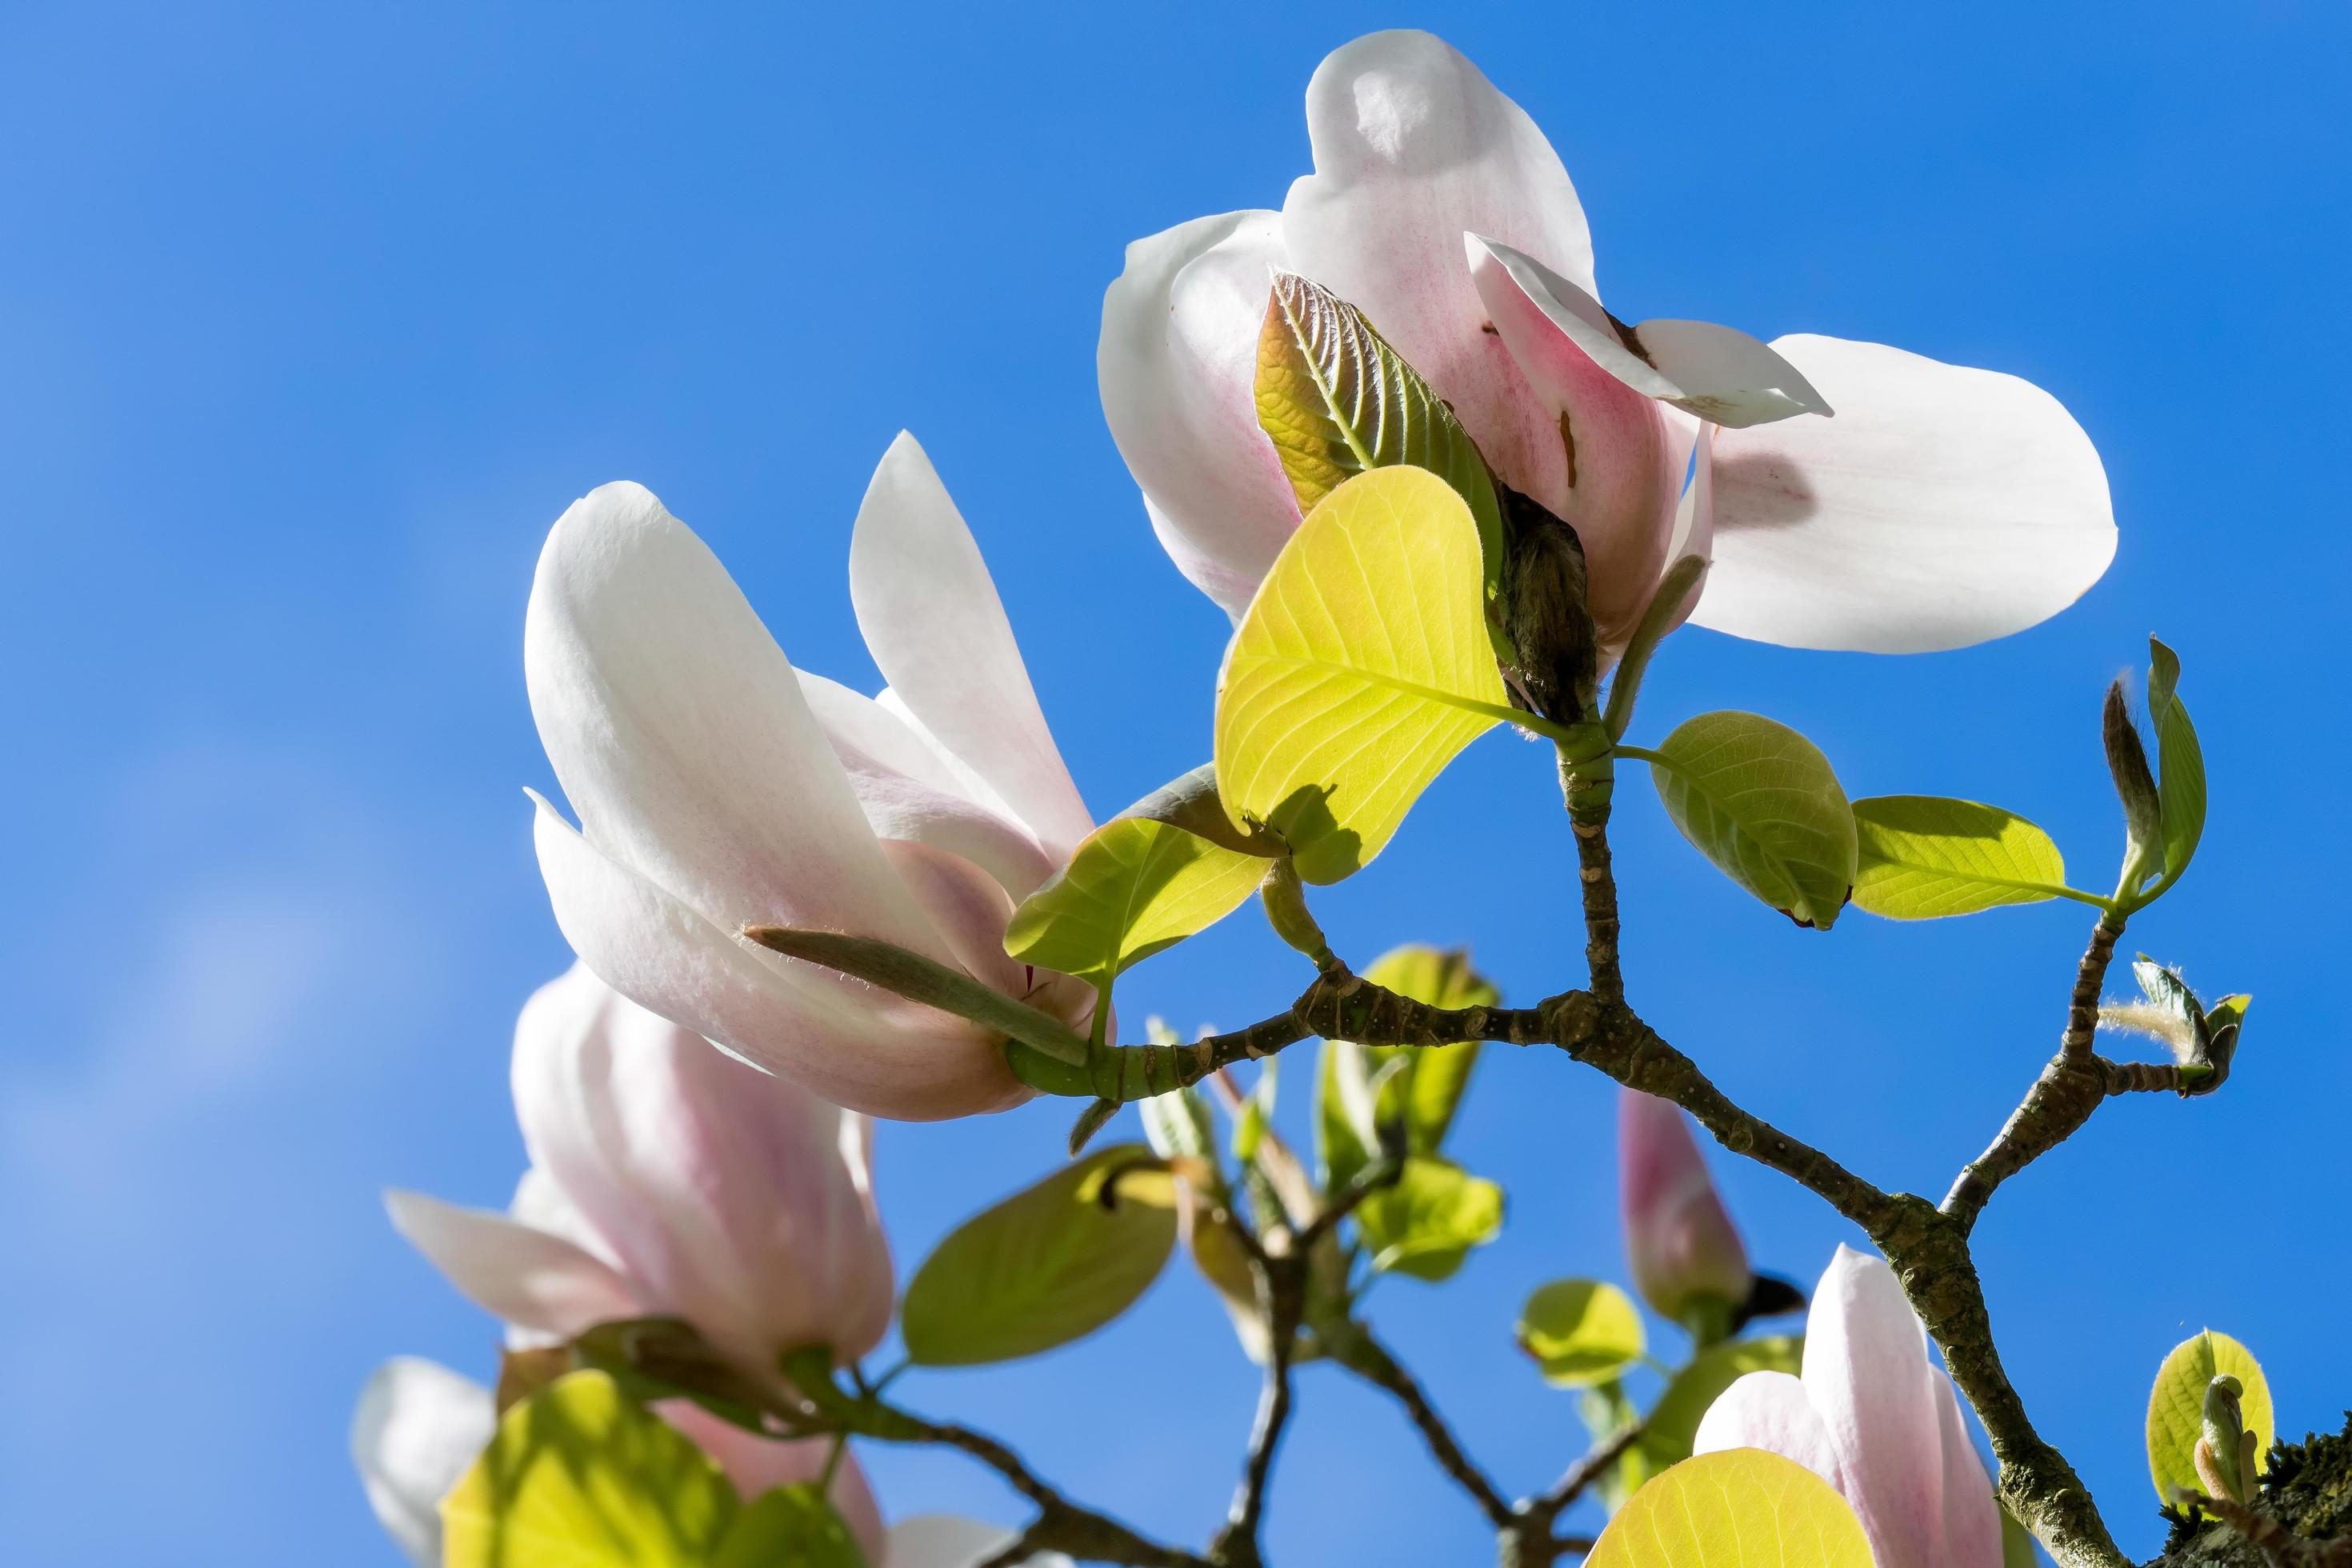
{"x": 1363, "y": 1355}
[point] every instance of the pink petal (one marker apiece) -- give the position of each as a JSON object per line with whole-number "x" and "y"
{"x": 1970, "y": 1532}
{"x": 518, "y": 1273}
{"x": 937, "y": 632}
{"x": 679, "y": 731}
{"x": 1412, "y": 149}
{"x": 1866, "y": 1357}
{"x": 1942, "y": 507}
{"x": 849, "y": 1042}
{"x": 1769, "y": 1410}
{"x": 1177, "y": 364}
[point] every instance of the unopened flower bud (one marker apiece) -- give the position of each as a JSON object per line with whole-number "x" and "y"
{"x": 1287, "y": 912}
{"x": 1545, "y": 615}
{"x": 2224, "y": 1456}
{"x": 1685, "y": 1256}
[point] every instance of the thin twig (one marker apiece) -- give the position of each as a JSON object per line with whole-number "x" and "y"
{"x": 1363, "y": 1355}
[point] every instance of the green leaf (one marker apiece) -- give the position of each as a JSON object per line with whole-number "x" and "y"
{"x": 1723, "y": 1509}
{"x": 1673, "y": 1424}
{"x": 1581, "y": 1332}
{"x": 2180, "y": 760}
{"x": 2176, "y": 1407}
{"x": 1335, "y": 400}
{"x": 1760, "y": 801}
{"x": 1134, "y": 887}
{"x": 1921, "y": 856}
{"x": 927, "y": 980}
{"x": 579, "y": 1477}
{"x": 1429, "y": 1088}
{"x": 2017, "y": 1545}
{"x": 1360, "y": 669}
{"x": 1050, "y": 1264}
{"x": 790, "y": 1527}
{"x": 1428, "y": 1221}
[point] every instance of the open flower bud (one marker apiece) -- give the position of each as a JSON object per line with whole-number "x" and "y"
{"x": 1685, "y": 1254}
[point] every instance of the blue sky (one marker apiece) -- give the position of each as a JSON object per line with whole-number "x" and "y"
{"x": 312, "y": 318}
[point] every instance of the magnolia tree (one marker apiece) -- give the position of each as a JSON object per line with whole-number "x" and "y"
{"x": 1440, "y": 488}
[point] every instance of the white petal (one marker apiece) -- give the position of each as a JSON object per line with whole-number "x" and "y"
{"x": 1769, "y": 1410}
{"x": 945, "y": 1540}
{"x": 518, "y": 1273}
{"x": 855, "y": 1044}
{"x": 1942, "y": 507}
{"x": 680, "y": 735}
{"x": 418, "y": 1431}
{"x": 1714, "y": 372}
{"x": 1864, "y": 1356}
{"x": 908, "y": 791}
{"x": 1970, "y": 1535}
{"x": 1412, "y": 149}
{"x": 937, "y": 630}
{"x": 720, "y": 1191}
{"x": 1177, "y": 364}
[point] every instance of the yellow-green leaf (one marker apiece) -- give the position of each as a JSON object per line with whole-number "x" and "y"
{"x": 1360, "y": 669}
{"x": 790, "y": 1527}
{"x": 579, "y": 1477}
{"x": 1581, "y": 1332}
{"x": 1427, "y": 1221}
{"x": 1921, "y": 856}
{"x": 1426, "y": 1092}
{"x": 2181, "y": 785}
{"x": 1133, "y": 887}
{"x": 1335, "y": 399}
{"x": 1762, "y": 802}
{"x": 1050, "y": 1264}
{"x": 2176, "y": 1408}
{"x": 1741, "y": 1508}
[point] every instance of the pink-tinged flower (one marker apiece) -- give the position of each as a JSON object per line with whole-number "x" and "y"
{"x": 669, "y": 1180}
{"x": 1940, "y": 506}
{"x": 420, "y": 1426}
{"x": 1682, "y": 1247}
{"x": 1876, "y": 1418}
{"x": 719, "y": 787}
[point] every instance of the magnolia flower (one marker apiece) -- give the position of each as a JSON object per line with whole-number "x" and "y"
{"x": 1680, "y": 1243}
{"x": 1876, "y": 1418}
{"x": 669, "y": 1180}
{"x": 1940, "y": 506}
{"x": 719, "y": 787}
{"x": 419, "y": 1427}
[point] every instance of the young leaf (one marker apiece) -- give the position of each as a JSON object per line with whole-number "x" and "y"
{"x": 580, "y": 1476}
{"x": 790, "y": 1527}
{"x": 1426, "y": 1093}
{"x": 1581, "y": 1332}
{"x": 2180, "y": 760}
{"x": 2176, "y": 1407}
{"x": 1335, "y": 399}
{"x": 1049, "y": 1264}
{"x": 1360, "y": 669}
{"x": 1760, "y": 801}
{"x": 1921, "y": 856}
{"x": 1673, "y": 1423}
{"x": 1429, "y": 1220}
{"x": 1739, "y": 1506}
{"x": 927, "y": 980}
{"x": 1134, "y": 887}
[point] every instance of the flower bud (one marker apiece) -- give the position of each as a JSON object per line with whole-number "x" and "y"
{"x": 1685, "y": 1256}
{"x": 2136, "y": 786}
{"x": 1545, "y": 612}
{"x": 2224, "y": 1454}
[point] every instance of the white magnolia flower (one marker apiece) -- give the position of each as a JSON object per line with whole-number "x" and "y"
{"x": 1939, "y": 507}
{"x": 669, "y": 1179}
{"x": 1876, "y": 1418}
{"x": 719, "y": 787}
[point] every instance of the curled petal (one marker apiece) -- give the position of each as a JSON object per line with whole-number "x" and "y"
{"x": 1865, "y": 1369}
{"x": 937, "y": 632}
{"x": 1942, "y": 507}
{"x": 516, "y": 1272}
{"x": 1771, "y": 1411}
{"x": 854, "y": 1045}
{"x": 1412, "y": 149}
{"x": 1716, "y": 374}
{"x": 417, "y": 1428}
{"x": 1177, "y": 364}
{"x": 679, "y": 733}
{"x": 1969, "y": 1534}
